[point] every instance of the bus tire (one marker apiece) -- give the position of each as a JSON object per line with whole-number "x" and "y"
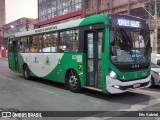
{"x": 152, "y": 82}
{"x": 26, "y": 73}
{"x": 73, "y": 81}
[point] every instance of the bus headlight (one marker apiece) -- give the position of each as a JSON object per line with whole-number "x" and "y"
{"x": 113, "y": 75}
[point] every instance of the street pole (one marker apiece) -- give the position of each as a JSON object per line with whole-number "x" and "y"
{"x": 2, "y": 35}
{"x": 4, "y": 42}
{"x": 155, "y": 29}
{"x": 111, "y": 7}
{"x": 83, "y": 8}
{"x": 129, "y": 9}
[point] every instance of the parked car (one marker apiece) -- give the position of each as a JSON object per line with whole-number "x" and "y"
{"x": 155, "y": 74}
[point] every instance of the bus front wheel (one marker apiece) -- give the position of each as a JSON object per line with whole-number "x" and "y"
{"x": 26, "y": 73}
{"x": 152, "y": 82}
{"x": 73, "y": 81}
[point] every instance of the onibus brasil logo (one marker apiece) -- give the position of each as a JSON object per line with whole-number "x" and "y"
{"x": 20, "y": 114}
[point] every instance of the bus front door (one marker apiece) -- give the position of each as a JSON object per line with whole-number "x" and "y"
{"x": 93, "y": 44}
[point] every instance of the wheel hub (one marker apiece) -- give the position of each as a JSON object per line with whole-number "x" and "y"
{"x": 73, "y": 81}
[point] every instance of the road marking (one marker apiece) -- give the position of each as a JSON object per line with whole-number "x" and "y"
{"x": 8, "y": 78}
{"x": 146, "y": 91}
{"x": 26, "y": 84}
{"x": 142, "y": 105}
{"x": 135, "y": 107}
{"x": 45, "y": 90}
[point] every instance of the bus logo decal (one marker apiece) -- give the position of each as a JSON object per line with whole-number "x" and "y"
{"x": 47, "y": 61}
{"x": 77, "y": 57}
{"x": 35, "y": 60}
{"x": 80, "y": 67}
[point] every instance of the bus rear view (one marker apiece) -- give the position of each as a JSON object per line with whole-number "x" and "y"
{"x": 129, "y": 54}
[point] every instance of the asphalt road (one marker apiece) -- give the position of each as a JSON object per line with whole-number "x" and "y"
{"x": 19, "y": 94}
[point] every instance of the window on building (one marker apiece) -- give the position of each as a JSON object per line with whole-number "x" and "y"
{"x": 78, "y": 6}
{"x": 90, "y": 4}
{"x": 158, "y": 41}
{"x": 49, "y": 16}
{"x": 139, "y": 12}
{"x": 158, "y": 8}
{"x": 51, "y": 9}
{"x": 158, "y": 34}
{"x": 39, "y": 1}
{"x": 158, "y": 50}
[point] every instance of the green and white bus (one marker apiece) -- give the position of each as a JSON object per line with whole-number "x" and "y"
{"x": 107, "y": 52}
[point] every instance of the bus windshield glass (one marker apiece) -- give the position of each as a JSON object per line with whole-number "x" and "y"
{"x": 129, "y": 46}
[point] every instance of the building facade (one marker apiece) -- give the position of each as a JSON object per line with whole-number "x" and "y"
{"x": 2, "y": 19}
{"x": 2, "y": 13}
{"x": 20, "y": 25}
{"x": 58, "y": 11}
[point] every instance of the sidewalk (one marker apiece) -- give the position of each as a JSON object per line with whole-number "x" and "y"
{"x": 3, "y": 58}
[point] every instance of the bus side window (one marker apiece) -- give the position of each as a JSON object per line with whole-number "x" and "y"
{"x": 23, "y": 46}
{"x": 11, "y": 42}
{"x": 68, "y": 41}
{"x": 46, "y": 38}
{"x": 35, "y": 44}
{"x": 53, "y": 42}
{"x": 49, "y": 42}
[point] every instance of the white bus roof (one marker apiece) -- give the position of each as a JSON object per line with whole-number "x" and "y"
{"x": 60, "y": 26}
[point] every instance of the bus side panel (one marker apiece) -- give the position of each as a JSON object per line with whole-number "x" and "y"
{"x": 42, "y": 65}
{"x": 11, "y": 61}
{"x": 105, "y": 60}
{"x": 71, "y": 61}
{"x": 53, "y": 66}
{"x": 68, "y": 61}
{"x": 20, "y": 63}
{"x": 104, "y": 72}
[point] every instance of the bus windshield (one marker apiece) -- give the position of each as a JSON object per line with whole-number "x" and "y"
{"x": 129, "y": 47}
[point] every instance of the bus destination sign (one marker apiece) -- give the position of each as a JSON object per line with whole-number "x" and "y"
{"x": 128, "y": 23}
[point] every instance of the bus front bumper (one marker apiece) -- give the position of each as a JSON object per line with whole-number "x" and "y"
{"x": 115, "y": 86}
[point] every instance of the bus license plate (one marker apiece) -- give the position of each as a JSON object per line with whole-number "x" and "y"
{"x": 136, "y": 85}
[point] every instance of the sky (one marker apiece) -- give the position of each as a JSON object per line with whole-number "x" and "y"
{"x": 16, "y": 9}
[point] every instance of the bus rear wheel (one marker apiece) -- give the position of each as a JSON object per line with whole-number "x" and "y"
{"x": 73, "y": 81}
{"x": 26, "y": 73}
